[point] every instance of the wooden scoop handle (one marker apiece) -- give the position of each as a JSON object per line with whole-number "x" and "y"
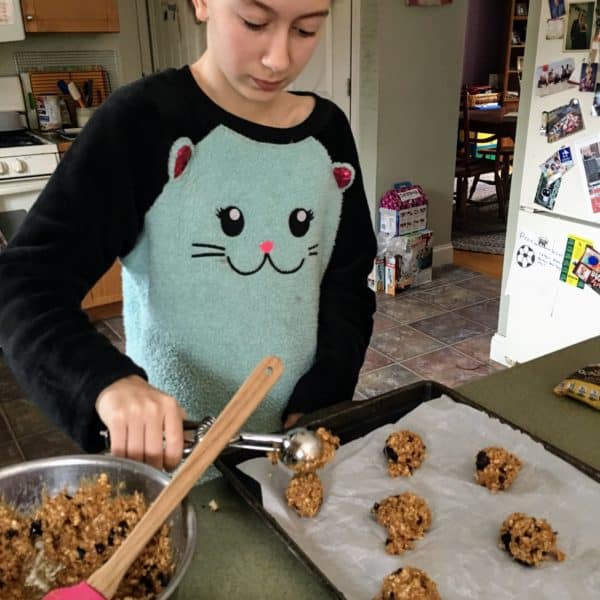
{"x": 237, "y": 411}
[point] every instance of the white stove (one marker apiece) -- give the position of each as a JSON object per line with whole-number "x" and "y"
{"x": 27, "y": 159}
{"x": 24, "y": 154}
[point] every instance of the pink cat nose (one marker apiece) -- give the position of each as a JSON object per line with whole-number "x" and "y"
{"x": 266, "y": 246}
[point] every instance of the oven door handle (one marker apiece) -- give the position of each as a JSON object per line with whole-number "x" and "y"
{"x": 8, "y": 188}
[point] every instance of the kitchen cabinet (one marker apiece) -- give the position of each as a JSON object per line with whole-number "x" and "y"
{"x": 70, "y": 16}
{"x": 107, "y": 290}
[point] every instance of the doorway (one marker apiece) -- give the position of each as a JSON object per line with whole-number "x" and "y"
{"x": 486, "y": 52}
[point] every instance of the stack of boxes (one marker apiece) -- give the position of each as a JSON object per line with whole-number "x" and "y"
{"x": 405, "y": 252}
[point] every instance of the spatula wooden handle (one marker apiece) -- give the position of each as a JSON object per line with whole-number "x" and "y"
{"x": 237, "y": 411}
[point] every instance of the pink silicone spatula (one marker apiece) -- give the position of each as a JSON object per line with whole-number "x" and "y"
{"x": 103, "y": 583}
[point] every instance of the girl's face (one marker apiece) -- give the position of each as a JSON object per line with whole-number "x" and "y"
{"x": 258, "y": 47}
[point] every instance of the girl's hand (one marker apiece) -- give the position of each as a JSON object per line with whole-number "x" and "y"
{"x": 144, "y": 423}
{"x": 291, "y": 420}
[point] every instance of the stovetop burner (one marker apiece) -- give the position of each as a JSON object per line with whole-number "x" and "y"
{"x": 10, "y": 139}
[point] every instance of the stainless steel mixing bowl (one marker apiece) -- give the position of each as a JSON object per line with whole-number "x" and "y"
{"x": 22, "y": 485}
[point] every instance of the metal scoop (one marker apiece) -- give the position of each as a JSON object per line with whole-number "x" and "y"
{"x": 293, "y": 447}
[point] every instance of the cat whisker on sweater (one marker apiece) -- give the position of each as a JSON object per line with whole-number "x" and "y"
{"x": 313, "y": 247}
{"x": 208, "y": 254}
{"x": 198, "y": 245}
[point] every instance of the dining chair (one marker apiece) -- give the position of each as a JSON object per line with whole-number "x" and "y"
{"x": 477, "y": 155}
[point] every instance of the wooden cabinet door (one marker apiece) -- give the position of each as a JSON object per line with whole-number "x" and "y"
{"x": 70, "y": 15}
{"x": 107, "y": 290}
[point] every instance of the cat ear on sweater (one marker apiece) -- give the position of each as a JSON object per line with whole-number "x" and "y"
{"x": 179, "y": 156}
{"x": 344, "y": 174}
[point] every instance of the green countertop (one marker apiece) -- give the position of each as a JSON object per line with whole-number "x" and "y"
{"x": 238, "y": 556}
{"x": 523, "y": 395}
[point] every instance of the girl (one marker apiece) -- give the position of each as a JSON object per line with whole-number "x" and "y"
{"x": 238, "y": 212}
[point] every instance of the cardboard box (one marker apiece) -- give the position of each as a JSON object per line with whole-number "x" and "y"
{"x": 411, "y": 262}
{"x": 376, "y": 279}
{"x": 391, "y": 264}
{"x": 400, "y": 222}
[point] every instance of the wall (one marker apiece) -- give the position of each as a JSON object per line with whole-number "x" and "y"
{"x": 484, "y": 41}
{"x": 128, "y": 44}
{"x": 420, "y": 52}
{"x": 368, "y": 98}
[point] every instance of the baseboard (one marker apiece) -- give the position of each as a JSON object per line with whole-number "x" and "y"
{"x": 443, "y": 255}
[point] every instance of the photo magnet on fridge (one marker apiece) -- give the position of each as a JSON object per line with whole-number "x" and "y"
{"x": 564, "y": 120}
{"x": 580, "y": 23}
{"x": 554, "y": 77}
{"x": 546, "y": 192}
{"x": 590, "y": 155}
{"x": 596, "y": 102}
{"x": 557, "y": 8}
{"x": 588, "y": 268}
{"x": 555, "y": 29}
{"x": 557, "y": 165}
{"x": 587, "y": 79}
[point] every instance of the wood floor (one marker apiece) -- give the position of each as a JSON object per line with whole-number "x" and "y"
{"x": 480, "y": 262}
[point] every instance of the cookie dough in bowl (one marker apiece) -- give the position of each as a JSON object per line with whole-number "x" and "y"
{"x": 528, "y": 540}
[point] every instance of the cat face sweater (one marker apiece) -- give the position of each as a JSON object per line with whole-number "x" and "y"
{"x": 236, "y": 240}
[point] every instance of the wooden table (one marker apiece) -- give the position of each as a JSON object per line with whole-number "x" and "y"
{"x": 503, "y": 123}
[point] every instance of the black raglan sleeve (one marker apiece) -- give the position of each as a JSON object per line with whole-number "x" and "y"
{"x": 346, "y": 303}
{"x": 89, "y": 213}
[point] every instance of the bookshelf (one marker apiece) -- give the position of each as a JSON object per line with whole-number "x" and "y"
{"x": 516, "y": 38}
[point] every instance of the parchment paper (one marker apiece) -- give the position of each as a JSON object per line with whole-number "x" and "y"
{"x": 460, "y": 552}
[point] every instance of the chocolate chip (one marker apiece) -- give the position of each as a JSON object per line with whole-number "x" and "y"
{"x": 482, "y": 460}
{"x": 81, "y": 552}
{"x": 398, "y": 571}
{"x": 111, "y": 537}
{"x": 163, "y": 579}
{"x": 506, "y": 539}
{"x": 10, "y": 534}
{"x": 147, "y": 583}
{"x": 390, "y": 453}
{"x": 501, "y": 479}
{"x": 376, "y": 506}
{"x": 35, "y": 530}
{"x": 522, "y": 562}
{"x": 100, "y": 548}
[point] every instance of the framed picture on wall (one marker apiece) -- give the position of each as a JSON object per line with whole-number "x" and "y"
{"x": 580, "y": 23}
{"x": 427, "y": 2}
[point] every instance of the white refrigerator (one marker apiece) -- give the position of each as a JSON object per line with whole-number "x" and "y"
{"x": 550, "y": 295}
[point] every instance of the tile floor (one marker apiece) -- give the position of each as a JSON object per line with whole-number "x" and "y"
{"x": 440, "y": 331}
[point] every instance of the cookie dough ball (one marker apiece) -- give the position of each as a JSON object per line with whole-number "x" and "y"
{"x": 405, "y": 451}
{"x": 304, "y": 494}
{"x": 496, "y": 468}
{"x": 406, "y": 518}
{"x": 329, "y": 444}
{"x": 408, "y": 583}
{"x": 528, "y": 540}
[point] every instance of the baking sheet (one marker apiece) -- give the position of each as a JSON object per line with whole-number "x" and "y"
{"x": 460, "y": 551}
